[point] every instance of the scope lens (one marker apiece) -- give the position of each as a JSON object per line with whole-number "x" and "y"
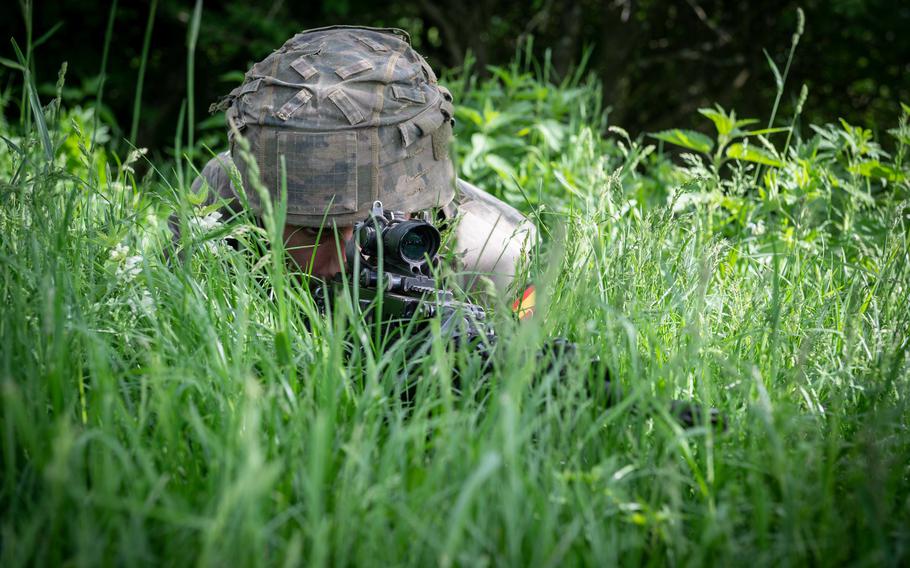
{"x": 411, "y": 242}
{"x": 415, "y": 244}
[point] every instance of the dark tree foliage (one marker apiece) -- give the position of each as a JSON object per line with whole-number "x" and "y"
{"x": 659, "y": 60}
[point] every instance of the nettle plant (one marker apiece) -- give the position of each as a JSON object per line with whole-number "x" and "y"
{"x": 733, "y": 142}
{"x": 515, "y": 130}
{"x": 809, "y": 188}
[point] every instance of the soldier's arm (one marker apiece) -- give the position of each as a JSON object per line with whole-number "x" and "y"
{"x": 493, "y": 238}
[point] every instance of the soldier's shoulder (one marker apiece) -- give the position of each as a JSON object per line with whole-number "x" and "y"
{"x": 469, "y": 197}
{"x": 492, "y": 237}
{"x": 217, "y": 175}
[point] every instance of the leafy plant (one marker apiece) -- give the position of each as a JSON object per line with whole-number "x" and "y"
{"x": 732, "y": 141}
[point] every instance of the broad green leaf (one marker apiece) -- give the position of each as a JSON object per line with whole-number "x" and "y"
{"x": 480, "y": 144}
{"x": 552, "y": 133}
{"x": 489, "y": 116}
{"x": 503, "y": 74}
{"x": 857, "y": 193}
{"x": 469, "y": 114}
{"x": 726, "y": 123}
{"x": 565, "y": 183}
{"x": 754, "y": 154}
{"x": 199, "y": 197}
{"x": 687, "y": 139}
{"x": 722, "y": 122}
{"x": 744, "y": 122}
{"x": 876, "y": 170}
{"x": 501, "y": 167}
{"x": 497, "y": 120}
{"x": 541, "y": 93}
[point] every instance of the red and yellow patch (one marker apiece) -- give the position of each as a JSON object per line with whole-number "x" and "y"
{"x": 524, "y": 306}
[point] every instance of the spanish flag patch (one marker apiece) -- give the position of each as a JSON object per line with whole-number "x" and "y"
{"x": 524, "y": 306}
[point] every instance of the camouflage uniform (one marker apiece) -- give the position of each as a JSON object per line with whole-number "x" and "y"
{"x": 345, "y": 116}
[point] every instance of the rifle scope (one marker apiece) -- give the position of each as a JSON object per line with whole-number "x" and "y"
{"x": 411, "y": 244}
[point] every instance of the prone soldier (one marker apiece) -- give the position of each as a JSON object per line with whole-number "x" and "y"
{"x": 351, "y": 120}
{"x": 356, "y": 115}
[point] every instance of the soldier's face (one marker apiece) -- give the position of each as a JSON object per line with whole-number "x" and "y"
{"x": 323, "y": 253}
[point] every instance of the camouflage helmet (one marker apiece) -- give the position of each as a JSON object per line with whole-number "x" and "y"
{"x": 357, "y": 115}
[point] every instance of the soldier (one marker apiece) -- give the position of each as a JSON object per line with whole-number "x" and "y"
{"x": 348, "y": 116}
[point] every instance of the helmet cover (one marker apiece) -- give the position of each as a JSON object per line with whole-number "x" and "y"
{"x": 357, "y": 116}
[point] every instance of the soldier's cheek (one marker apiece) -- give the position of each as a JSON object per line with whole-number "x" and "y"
{"x": 299, "y": 257}
{"x": 328, "y": 259}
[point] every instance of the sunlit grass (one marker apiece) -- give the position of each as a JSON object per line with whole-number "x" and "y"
{"x": 195, "y": 408}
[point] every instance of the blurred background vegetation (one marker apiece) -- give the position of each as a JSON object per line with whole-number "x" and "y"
{"x": 658, "y": 60}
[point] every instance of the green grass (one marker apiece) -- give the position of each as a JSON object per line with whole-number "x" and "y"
{"x": 200, "y": 412}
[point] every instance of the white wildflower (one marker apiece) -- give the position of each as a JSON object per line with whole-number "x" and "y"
{"x": 140, "y": 303}
{"x": 215, "y": 247}
{"x": 146, "y": 302}
{"x": 130, "y": 268}
{"x": 757, "y": 229}
{"x": 119, "y": 252}
{"x": 206, "y": 223}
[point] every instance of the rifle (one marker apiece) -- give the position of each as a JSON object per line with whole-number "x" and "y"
{"x": 390, "y": 260}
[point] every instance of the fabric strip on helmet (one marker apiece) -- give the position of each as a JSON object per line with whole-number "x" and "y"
{"x": 346, "y": 106}
{"x": 304, "y": 67}
{"x": 302, "y": 97}
{"x": 403, "y": 93}
{"x": 354, "y": 68}
{"x": 429, "y": 121}
{"x": 372, "y": 44}
{"x": 250, "y": 87}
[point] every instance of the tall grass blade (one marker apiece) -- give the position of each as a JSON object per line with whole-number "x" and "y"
{"x": 140, "y": 79}
{"x": 27, "y": 15}
{"x": 102, "y": 74}
{"x": 37, "y": 111}
{"x": 191, "y": 39}
{"x": 781, "y": 78}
